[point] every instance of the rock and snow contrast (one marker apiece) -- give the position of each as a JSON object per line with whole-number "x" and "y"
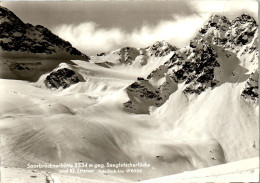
{"x": 215, "y": 57}
{"x": 176, "y": 109}
{"x": 63, "y": 76}
{"x": 18, "y": 38}
{"x": 138, "y": 61}
{"x": 29, "y": 51}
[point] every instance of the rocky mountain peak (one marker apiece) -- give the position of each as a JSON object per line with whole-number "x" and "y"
{"x": 228, "y": 34}
{"x": 17, "y": 36}
{"x": 203, "y": 64}
{"x": 159, "y": 44}
{"x": 130, "y": 55}
{"x": 217, "y": 19}
{"x": 8, "y": 16}
{"x": 160, "y": 48}
{"x": 244, "y": 18}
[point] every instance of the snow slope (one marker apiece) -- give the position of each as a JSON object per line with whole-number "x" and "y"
{"x": 212, "y": 87}
{"x": 138, "y": 61}
{"x": 41, "y": 125}
{"x": 241, "y": 171}
{"x": 175, "y": 109}
{"x": 27, "y": 51}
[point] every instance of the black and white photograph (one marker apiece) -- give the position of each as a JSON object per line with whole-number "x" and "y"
{"x": 122, "y": 91}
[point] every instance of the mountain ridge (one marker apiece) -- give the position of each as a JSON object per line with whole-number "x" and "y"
{"x": 28, "y": 40}
{"x": 129, "y": 54}
{"x": 192, "y": 107}
{"x": 209, "y": 61}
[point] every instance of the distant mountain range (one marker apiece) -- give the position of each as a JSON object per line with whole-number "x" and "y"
{"x": 178, "y": 109}
{"x": 214, "y": 57}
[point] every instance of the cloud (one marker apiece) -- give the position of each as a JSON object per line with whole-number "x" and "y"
{"x": 178, "y": 32}
{"x": 230, "y": 8}
{"x": 91, "y": 39}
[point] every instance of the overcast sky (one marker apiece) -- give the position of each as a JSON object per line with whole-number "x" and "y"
{"x": 94, "y": 26}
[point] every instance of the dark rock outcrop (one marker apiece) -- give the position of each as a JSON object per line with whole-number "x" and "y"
{"x": 160, "y": 49}
{"x": 62, "y": 77}
{"x": 128, "y": 55}
{"x": 17, "y": 36}
{"x": 199, "y": 66}
{"x": 228, "y": 34}
{"x": 251, "y": 88}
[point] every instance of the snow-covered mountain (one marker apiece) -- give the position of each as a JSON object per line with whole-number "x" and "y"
{"x": 138, "y": 61}
{"x": 208, "y": 89}
{"x": 128, "y": 55}
{"x": 177, "y": 109}
{"x": 222, "y": 52}
{"x": 20, "y": 38}
{"x": 27, "y": 51}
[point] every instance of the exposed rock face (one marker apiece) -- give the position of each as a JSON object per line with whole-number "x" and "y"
{"x": 64, "y": 76}
{"x": 195, "y": 67}
{"x": 144, "y": 93}
{"x": 148, "y": 95}
{"x": 229, "y": 34}
{"x": 251, "y": 87}
{"x": 160, "y": 49}
{"x": 26, "y": 38}
{"x": 239, "y": 36}
{"x": 220, "y": 49}
{"x": 105, "y": 64}
{"x": 129, "y": 55}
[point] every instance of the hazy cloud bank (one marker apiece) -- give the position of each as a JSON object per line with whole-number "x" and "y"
{"x": 91, "y": 38}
